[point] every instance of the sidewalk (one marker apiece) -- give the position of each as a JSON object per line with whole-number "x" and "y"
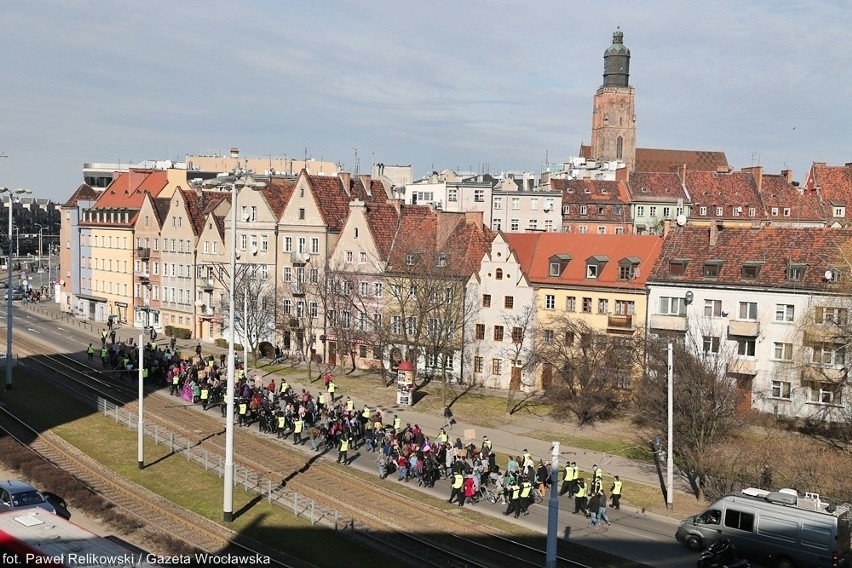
{"x": 511, "y": 437}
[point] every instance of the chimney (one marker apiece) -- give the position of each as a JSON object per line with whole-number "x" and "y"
{"x": 757, "y": 172}
{"x": 345, "y": 179}
{"x": 447, "y": 223}
{"x": 667, "y": 227}
{"x": 621, "y": 174}
{"x": 715, "y": 228}
{"x": 788, "y": 175}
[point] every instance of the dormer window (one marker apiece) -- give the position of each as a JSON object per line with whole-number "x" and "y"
{"x": 839, "y": 211}
{"x": 702, "y": 210}
{"x": 787, "y": 211}
{"x": 583, "y": 209}
{"x": 774, "y": 211}
{"x": 595, "y": 265}
{"x": 628, "y": 268}
{"x": 719, "y": 212}
{"x": 712, "y": 268}
{"x": 409, "y": 260}
{"x": 750, "y": 271}
{"x": 441, "y": 261}
{"x": 677, "y": 266}
{"x": 557, "y": 263}
{"x": 795, "y": 272}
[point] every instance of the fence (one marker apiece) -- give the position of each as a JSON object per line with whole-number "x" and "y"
{"x": 250, "y": 480}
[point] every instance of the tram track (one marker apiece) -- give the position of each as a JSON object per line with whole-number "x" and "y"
{"x": 434, "y": 536}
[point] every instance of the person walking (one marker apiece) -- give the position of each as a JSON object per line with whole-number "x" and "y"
{"x": 616, "y": 493}
{"x": 298, "y": 426}
{"x": 514, "y": 494}
{"x": 343, "y": 450}
{"x": 524, "y": 498}
{"x": 90, "y": 351}
{"x": 602, "y": 516}
{"x": 580, "y": 497}
{"x": 331, "y": 389}
{"x": 594, "y": 505}
{"x": 457, "y": 493}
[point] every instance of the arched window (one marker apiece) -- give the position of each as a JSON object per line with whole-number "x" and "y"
{"x": 498, "y": 274}
{"x": 619, "y": 148}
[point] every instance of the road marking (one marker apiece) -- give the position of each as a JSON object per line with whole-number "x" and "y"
{"x": 60, "y": 329}
{"x": 33, "y": 330}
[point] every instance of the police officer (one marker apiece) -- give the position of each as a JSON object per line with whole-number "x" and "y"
{"x": 205, "y": 395}
{"x": 298, "y": 425}
{"x": 597, "y": 478}
{"x": 486, "y": 445}
{"x": 525, "y": 498}
{"x": 397, "y": 422}
{"x": 331, "y": 388}
{"x": 350, "y": 405}
{"x": 175, "y": 387}
{"x": 581, "y": 497}
{"x": 243, "y": 412}
{"x": 615, "y": 490}
{"x": 281, "y": 422}
{"x": 513, "y": 490}
{"x": 457, "y": 494}
{"x": 320, "y": 399}
{"x": 90, "y": 351}
{"x": 343, "y": 451}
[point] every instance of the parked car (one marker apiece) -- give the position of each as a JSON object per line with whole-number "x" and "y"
{"x": 16, "y": 495}
{"x": 4, "y": 284}
{"x": 16, "y": 294}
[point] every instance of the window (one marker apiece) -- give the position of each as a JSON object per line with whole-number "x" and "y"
{"x": 362, "y": 257}
{"x": 497, "y": 224}
{"x": 748, "y": 311}
{"x": 313, "y": 309}
{"x": 625, "y": 308}
{"x": 826, "y": 353}
{"x": 498, "y": 333}
{"x": 477, "y": 364}
{"x": 498, "y": 274}
{"x": 711, "y": 269}
{"x": 554, "y": 268}
{"x": 739, "y": 520}
{"x": 315, "y": 245}
{"x": 603, "y": 306}
{"x": 836, "y": 316}
{"x": 719, "y": 212}
{"x": 592, "y": 270}
{"x": 640, "y": 210}
{"x": 411, "y": 325}
{"x": 516, "y": 203}
{"x": 713, "y": 308}
{"x": 601, "y": 229}
{"x": 480, "y": 331}
{"x": 750, "y": 271}
{"x": 711, "y": 344}
{"x": 243, "y": 242}
{"x": 787, "y": 211}
{"x": 839, "y": 211}
{"x": 571, "y": 304}
{"x": 288, "y": 274}
{"x": 548, "y": 336}
{"x": 409, "y": 260}
{"x": 781, "y": 389}
{"x": 396, "y": 324}
{"x": 301, "y": 213}
{"x": 509, "y": 302}
{"x": 774, "y": 211}
{"x": 264, "y": 243}
{"x": 479, "y": 195}
{"x": 587, "y": 305}
{"x": 825, "y": 393}
{"x": 288, "y": 244}
{"x": 349, "y": 257}
{"x": 498, "y": 203}
{"x": 548, "y": 225}
{"x": 514, "y": 224}
{"x": 533, "y": 225}
{"x": 496, "y": 366}
{"x": 377, "y": 289}
{"x": 702, "y": 210}
{"x": 363, "y": 288}
{"x": 783, "y": 351}
{"x": 795, "y": 272}
{"x": 784, "y": 312}
{"x": 677, "y": 267}
{"x": 517, "y": 335}
{"x": 672, "y": 306}
{"x": 486, "y": 300}
{"x": 746, "y": 346}
{"x": 583, "y": 210}
{"x": 752, "y": 211}
{"x": 534, "y": 204}
{"x": 345, "y": 287}
{"x": 453, "y": 194}
{"x": 550, "y": 302}
{"x": 667, "y": 212}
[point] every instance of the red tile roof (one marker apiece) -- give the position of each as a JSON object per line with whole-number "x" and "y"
{"x": 834, "y": 185}
{"x": 535, "y": 251}
{"x": 128, "y": 188}
{"x": 661, "y": 160}
{"x": 779, "y": 193}
{"x": 725, "y": 190}
{"x": 605, "y": 200}
{"x": 277, "y": 193}
{"x": 194, "y": 211}
{"x": 82, "y": 193}
{"x": 382, "y": 220}
{"x": 331, "y": 199}
{"x": 656, "y": 186}
{"x": 771, "y": 249}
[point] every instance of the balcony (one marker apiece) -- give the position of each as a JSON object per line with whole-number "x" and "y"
{"x": 294, "y": 322}
{"x": 744, "y": 328}
{"x": 207, "y": 284}
{"x": 206, "y": 312}
{"x": 669, "y": 323}
{"x": 813, "y": 372}
{"x": 620, "y": 323}
{"x": 144, "y": 277}
{"x": 299, "y": 258}
{"x": 298, "y": 289}
{"x": 824, "y": 333}
{"x": 144, "y": 253}
{"x": 742, "y": 366}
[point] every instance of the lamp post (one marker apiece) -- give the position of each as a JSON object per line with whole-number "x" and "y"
{"x": 235, "y": 182}
{"x": 9, "y": 294}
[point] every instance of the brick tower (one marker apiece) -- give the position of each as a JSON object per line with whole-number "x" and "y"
{"x": 613, "y": 117}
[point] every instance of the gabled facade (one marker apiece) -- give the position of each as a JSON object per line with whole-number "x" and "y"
{"x": 657, "y": 198}
{"x": 74, "y": 278}
{"x": 594, "y": 207}
{"x": 500, "y": 333}
{"x": 729, "y": 198}
{"x": 147, "y": 264}
{"x": 770, "y": 301}
{"x": 833, "y": 185}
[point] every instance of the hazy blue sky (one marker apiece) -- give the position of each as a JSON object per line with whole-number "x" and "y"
{"x": 438, "y": 84}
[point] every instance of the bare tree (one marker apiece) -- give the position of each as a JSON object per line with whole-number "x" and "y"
{"x": 254, "y": 298}
{"x": 705, "y": 398}
{"x": 520, "y": 352}
{"x": 591, "y": 370}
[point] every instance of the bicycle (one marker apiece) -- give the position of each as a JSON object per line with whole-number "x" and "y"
{"x": 537, "y": 496}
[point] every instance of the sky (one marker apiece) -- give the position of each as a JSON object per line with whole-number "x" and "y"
{"x": 485, "y": 86}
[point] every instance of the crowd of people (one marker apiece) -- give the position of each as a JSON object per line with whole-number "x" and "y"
{"x": 327, "y": 422}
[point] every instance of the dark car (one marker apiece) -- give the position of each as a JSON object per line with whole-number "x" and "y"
{"x": 16, "y": 495}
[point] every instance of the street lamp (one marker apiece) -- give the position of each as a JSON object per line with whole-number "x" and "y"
{"x": 9, "y": 295}
{"x": 235, "y": 182}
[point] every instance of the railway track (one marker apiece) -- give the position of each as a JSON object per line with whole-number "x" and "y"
{"x": 432, "y": 535}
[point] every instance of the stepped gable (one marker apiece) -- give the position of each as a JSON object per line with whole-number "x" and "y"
{"x": 725, "y": 190}
{"x": 664, "y": 187}
{"x": 535, "y": 251}
{"x": 771, "y": 249}
{"x": 84, "y": 192}
{"x": 277, "y": 193}
{"x": 331, "y": 199}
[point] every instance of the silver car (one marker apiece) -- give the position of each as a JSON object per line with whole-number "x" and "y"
{"x": 15, "y": 495}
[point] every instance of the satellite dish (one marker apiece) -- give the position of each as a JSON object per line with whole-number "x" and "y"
{"x": 680, "y": 220}
{"x": 307, "y": 257}
{"x": 829, "y": 275}
{"x": 254, "y": 250}
{"x": 689, "y": 297}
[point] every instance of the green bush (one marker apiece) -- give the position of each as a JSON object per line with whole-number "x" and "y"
{"x": 178, "y": 332}
{"x": 222, "y": 343}
{"x": 266, "y": 349}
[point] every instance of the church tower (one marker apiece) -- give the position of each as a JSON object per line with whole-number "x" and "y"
{"x": 613, "y": 117}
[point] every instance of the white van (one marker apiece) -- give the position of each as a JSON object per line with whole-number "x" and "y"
{"x": 776, "y": 528}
